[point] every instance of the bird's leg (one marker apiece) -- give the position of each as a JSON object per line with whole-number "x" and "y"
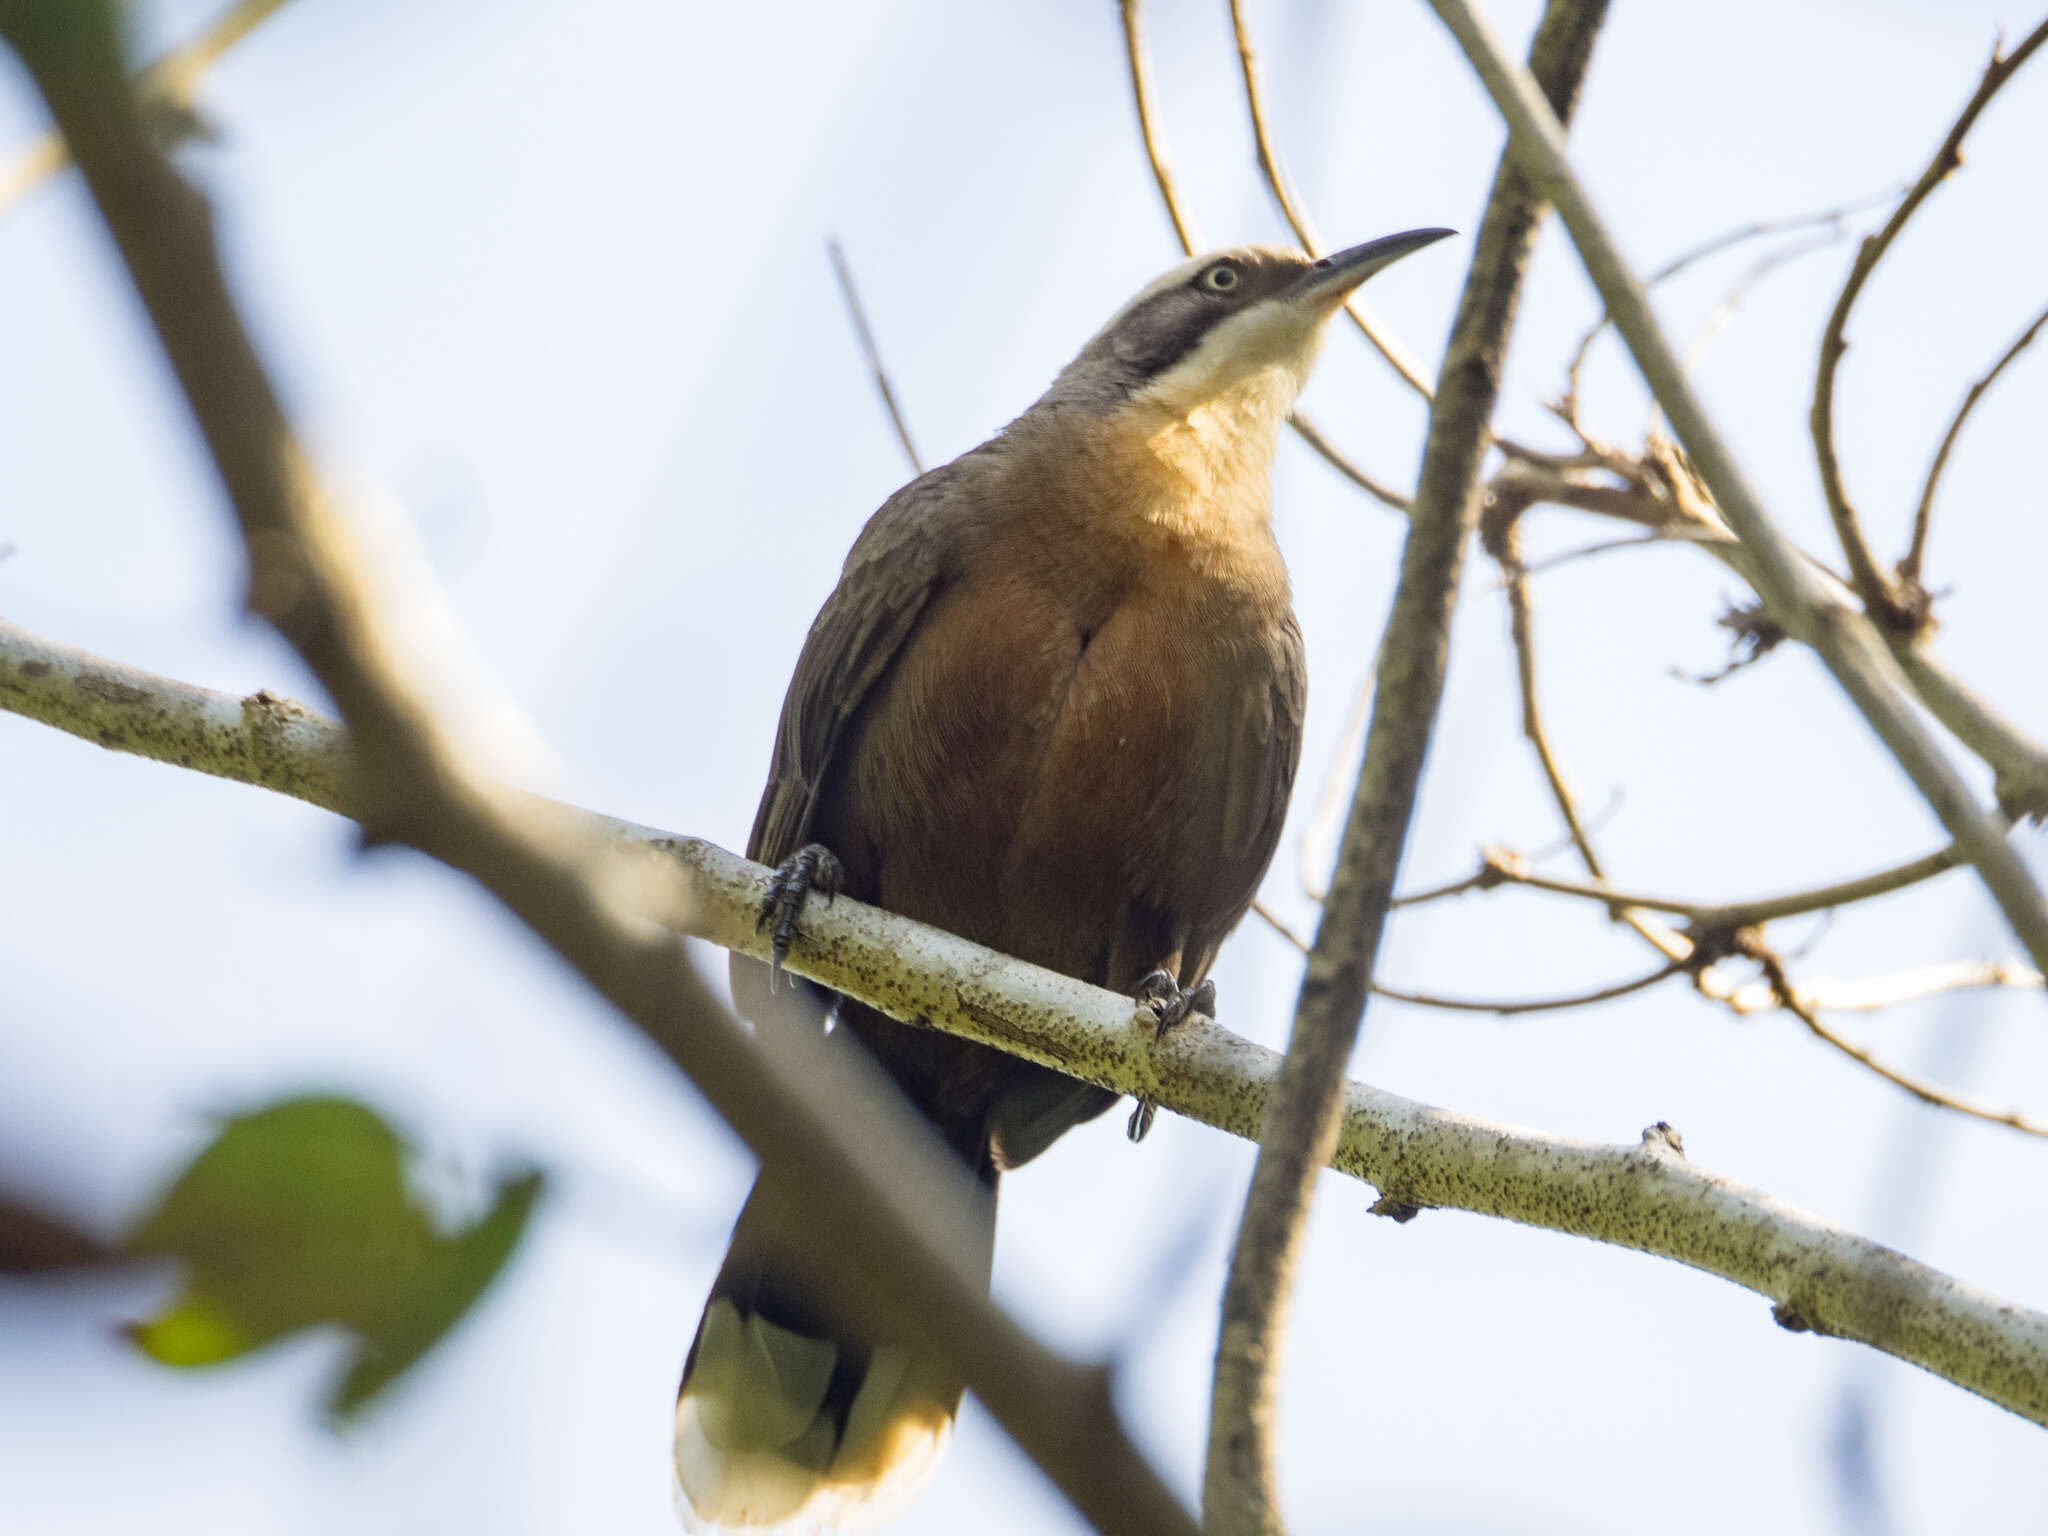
{"x": 812, "y": 867}
{"x": 1161, "y": 993}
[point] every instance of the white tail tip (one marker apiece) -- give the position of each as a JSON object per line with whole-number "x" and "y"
{"x": 756, "y": 1450}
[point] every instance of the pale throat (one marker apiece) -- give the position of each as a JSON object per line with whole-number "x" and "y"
{"x": 1207, "y": 466}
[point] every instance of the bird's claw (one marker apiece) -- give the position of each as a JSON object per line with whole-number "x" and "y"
{"x": 812, "y": 867}
{"x": 1169, "y": 1005}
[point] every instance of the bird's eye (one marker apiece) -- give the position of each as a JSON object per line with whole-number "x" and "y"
{"x": 1220, "y": 278}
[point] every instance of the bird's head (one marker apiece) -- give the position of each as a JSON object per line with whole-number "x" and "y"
{"x": 1230, "y": 336}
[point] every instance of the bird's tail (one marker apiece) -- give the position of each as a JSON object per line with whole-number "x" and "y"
{"x": 788, "y": 1420}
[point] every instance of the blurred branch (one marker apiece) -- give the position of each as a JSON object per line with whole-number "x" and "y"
{"x": 1909, "y": 567}
{"x": 2019, "y": 764}
{"x": 1793, "y": 1001}
{"x": 1831, "y": 220}
{"x": 167, "y": 89}
{"x": 1867, "y": 994}
{"x": 1369, "y": 324}
{"x": 1643, "y": 1198}
{"x": 1300, "y": 1132}
{"x": 874, "y": 358}
{"x": 1739, "y": 290}
{"x": 1799, "y": 599}
{"x": 1139, "y": 63}
{"x": 35, "y": 1241}
{"x": 1321, "y": 830}
{"x": 880, "y": 1194}
{"x": 1898, "y": 611}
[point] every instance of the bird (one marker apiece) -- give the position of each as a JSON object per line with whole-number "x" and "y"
{"x": 1053, "y": 705}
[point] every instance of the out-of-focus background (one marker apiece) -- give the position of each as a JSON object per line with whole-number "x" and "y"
{"x": 552, "y": 279}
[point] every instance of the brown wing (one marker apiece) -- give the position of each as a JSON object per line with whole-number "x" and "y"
{"x": 1259, "y": 753}
{"x": 891, "y": 573}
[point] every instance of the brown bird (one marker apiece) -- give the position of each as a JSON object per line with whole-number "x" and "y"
{"x": 1054, "y": 706}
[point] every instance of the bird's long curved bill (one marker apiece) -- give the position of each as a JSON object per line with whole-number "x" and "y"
{"x": 1330, "y": 280}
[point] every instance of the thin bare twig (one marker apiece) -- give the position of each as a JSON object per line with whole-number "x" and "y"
{"x": 1830, "y": 219}
{"x": 1909, "y": 567}
{"x": 1720, "y": 924}
{"x": 1558, "y": 561}
{"x": 1370, "y": 325}
{"x": 1647, "y": 1198}
{"x": 1316, "y": 846}
{"x": 1798, "y": 596}
{"x": 1505, "y": 1006}
{"x": 1897, "y": 607}
{"x": 1502, "y": 540}
{"x": 1509, "y": 1007}
{"x": 1239, "y": 1485}
{"x": 1322, "y": 829}
{"x": 1790, "y": 999}
{"x": 1311, "y": 434}
{"x": 1278, "y": 924}
{"x": 1499, "y": 867}
{"x": 859, "y": 317}
{"x": 1872, "y": 994}
{"x": 1717, "y": 320}
{"x": 1139, "y": 64}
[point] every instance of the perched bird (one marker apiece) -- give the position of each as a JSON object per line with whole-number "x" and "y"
{"x": 1054, "y": 706}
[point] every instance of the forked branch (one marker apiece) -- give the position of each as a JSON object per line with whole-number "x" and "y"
{"x": 1923, "y": 514}
{"x": 1901, "y": 611}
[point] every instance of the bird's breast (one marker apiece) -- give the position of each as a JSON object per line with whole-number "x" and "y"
{"x": 1040, "y": 758}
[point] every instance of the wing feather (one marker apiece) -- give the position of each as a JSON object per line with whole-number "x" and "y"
{"x": 1260, "y": 761}
{"x": 896, "y": 565}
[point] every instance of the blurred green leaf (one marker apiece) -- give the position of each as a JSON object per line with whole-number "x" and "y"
{"x": 195, "y": 1331}
{"x": 299, "y": 1214}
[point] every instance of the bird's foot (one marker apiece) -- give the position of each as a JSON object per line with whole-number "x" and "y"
{"x": 812, "y": 867}
{"x": 1169, "y": 1005}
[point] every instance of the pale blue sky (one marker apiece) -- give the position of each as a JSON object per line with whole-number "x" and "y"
{"x": 551, "y": 278}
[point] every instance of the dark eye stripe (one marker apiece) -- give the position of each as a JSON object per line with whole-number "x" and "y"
{"x": 1168, "y": 346}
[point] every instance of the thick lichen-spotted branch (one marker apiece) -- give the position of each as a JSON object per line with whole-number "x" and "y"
{"x": 1816, "y": 1275}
